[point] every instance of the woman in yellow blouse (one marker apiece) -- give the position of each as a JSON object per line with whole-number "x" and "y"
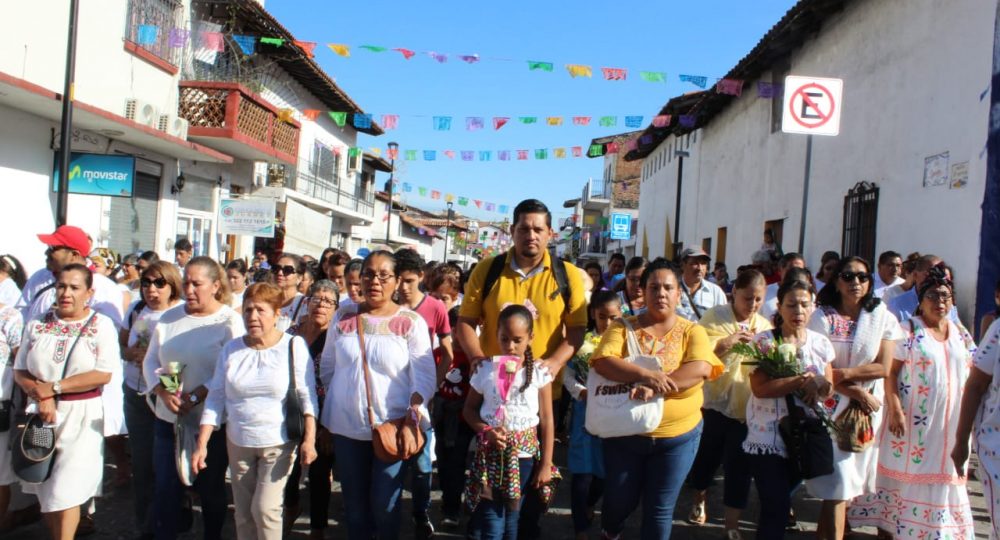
{"x": 725, "y": 407}
{"x": 653, "y": 466}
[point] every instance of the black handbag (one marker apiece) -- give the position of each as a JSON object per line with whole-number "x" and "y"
{"x": 810, "y": 448}
{"x": 295, "y": 421}
{"x": 33, "y": 446}
{"x": 6, "y": 410}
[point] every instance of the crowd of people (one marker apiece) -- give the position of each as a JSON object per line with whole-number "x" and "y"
{"x": 389, "y": 370}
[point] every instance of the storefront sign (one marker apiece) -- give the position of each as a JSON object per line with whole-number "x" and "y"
{"x": 98, "y": 174}
{"x": 250, "y": 217}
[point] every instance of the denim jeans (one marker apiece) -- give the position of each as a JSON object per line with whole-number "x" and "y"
{"x": 495, "y": 520}
{"x": 420, "y": 479}
{"x": 586, "y": 490}
{"x": 647, "y": 468}
{"x": 452, "y": 450}
{"x": 776, "y": 480}
{"x": 139, "y": 419}
{"x": 168, "y": 490}
{"x": 371, "y": 488}
{"x": 722, "y": 443}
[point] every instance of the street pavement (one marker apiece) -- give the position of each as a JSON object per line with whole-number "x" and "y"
{"x": 114, "y": 517}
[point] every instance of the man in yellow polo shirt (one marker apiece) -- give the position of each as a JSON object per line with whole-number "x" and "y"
{"x": 528, "y": 278}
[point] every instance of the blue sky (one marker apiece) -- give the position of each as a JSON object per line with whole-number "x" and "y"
{"x": 698, "y": 38}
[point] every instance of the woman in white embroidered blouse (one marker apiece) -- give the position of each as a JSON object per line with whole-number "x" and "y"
{"x": 403, "y": 379}
{"x": 287, "y": 274}
{"x": 766, "y": 452}
{"x": 190, "y": 336}
{"x": 67, "y": 392}
{"x": 250, "y": 386}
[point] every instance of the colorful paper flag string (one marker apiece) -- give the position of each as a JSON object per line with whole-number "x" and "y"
{"x": 614, "y": 74}
{"x": 407, "y": 53}
{"x": 653, "y": 76}
{"x": 697, "y": 80}
{"x": 499, "y": 121}
{"x": 579, "y": 70}
{"x": 539, "y": 66}
{"x": 340, "y": 50}
{"x": 373, "y": 48}
{"x": 277, "y": 42}
{"x": 339, "y": 118}
{"x": 247, "y": 44}
{"x": 732, "y": 87}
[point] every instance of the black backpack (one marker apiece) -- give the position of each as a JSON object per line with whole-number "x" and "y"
{"x": 558, "y": 268}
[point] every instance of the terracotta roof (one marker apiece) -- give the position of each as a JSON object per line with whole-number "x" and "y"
{"x": 442, "y": 222}
{"x": 254, "y": 19}
{"x": 416, "y": 224}
{"x": 798, "y": 25}
{"x": 611, "y": 138}
{"x": 377, "y": 163}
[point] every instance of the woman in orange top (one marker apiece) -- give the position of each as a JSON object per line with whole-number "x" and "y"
{"x": 653, "y": 466}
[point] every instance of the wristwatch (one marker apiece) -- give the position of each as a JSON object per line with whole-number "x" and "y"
{"x": 56, "y": 388}
{"x": 193, "y": 398}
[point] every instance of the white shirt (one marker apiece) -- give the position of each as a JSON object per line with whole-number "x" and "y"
{"x": 250, "y": 386}
{"x": 770, "y": 305}
{"x": 108, "y": 299}
{"x": 398, "y": 348}
{"x": 881, "y": 286}
{"x": 520, "y": 412}
{"x": 194, "y": 342}
{"x": 763, "y": 414}
{"x": 290, "y": 314}
{"x": 706, "y": 297}
{"x": 47, "y": 341}
{"x": 140, "y": 331}
{"x": 11, "y": 329}
{"x": 9, "y": 293}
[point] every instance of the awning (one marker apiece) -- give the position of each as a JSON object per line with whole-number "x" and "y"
{"x": 29, "y": 97}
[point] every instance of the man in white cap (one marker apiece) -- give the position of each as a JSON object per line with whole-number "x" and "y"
{"x": 698, "y": 295}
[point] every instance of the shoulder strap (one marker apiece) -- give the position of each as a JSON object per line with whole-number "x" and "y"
{"x": 793, "y": 410}
{"x": 562, "y": 280}
{"x": 697, "y": 311}
{"x": 136, "y": 310}
{"x": 632, "y": 342}
{"x": 69, "y": 355}
{"x": 364, "y": 363}
{"x": 40, "y": 292}
{"x": 493, "y": 274}
{"x": 291, "y": 364}
{"x": 295, "y": 314}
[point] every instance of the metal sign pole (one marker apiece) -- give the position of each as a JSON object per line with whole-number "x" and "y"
{"x": 805, "y": 193}
{"x": 66, "y": 125}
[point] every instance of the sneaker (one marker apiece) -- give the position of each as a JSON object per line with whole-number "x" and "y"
{"x": 450, "y": 520}
{"x": 423, "y": 529}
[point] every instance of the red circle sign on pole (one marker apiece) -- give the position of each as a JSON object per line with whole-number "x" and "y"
{"x": 810, "y": 101}
{"x": 812, "y": 105}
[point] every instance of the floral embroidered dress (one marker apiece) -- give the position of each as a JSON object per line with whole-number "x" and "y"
{"x": 79, "y": 437}
{"x": 987, "y": 428}
{"x": 918, "y": 494}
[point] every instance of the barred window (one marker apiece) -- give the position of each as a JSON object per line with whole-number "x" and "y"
{"x": 860, "y": 221}
{"x": 150, "y": 24}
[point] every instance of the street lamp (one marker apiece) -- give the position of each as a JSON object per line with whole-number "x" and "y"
{"x": 393, "y": 149}
{"x": 447, "y": 231}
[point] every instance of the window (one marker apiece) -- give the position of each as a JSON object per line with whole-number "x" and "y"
{"x": 860, "y": 219}
{"x": 149, "y": 23}
{"x": 325, "y": 164}
{"x": 777, "y": 228}
{"x": 706, "y": 244}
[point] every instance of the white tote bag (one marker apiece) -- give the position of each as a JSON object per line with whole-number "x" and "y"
{"x": 610, "y": 411}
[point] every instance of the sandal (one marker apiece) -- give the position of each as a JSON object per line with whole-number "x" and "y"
{"x": 733, "y": 534}
{"x": 697, "y": 515}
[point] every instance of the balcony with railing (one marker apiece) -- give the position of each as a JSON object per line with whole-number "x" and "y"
{"x": 310, "y": 181}
{"x": 596, "y": 194}
{"x": 593, "y": 242}
{"x": 230, "y": 118}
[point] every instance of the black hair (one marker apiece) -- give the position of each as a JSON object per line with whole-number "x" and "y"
{"x": 518, "y": 310}
{"x": 239, "y": 265}
{"x": 298, "y": 263}
{"x": 531, "y": 206}
{"x": 786, "y": 287}
{"x": 830, "y": 296}
{"x": 634, "y": 263}
{"x": 354, "y": 266}
{"x": 77, "y": 267}
{"x": 887, "y": 256}
{"x": 312, "y": 268}
{"x": 789, "y": 258}
{"x": 183, "y": 245}
{"x": 658, "y": 263}
{"x": 827, "y": 257}
{"x": 408, "y": 260}
{"x": 598, "y": 300}
{"x": 799, "y": 274}
{"x": 382, "y": 253}
{"x": 600, "y": 273}
{"x": 13, "y": 268}
{"x": 149, "y": 256}
{"x": 749, "y": 279}
{"x": 616, "y": 256}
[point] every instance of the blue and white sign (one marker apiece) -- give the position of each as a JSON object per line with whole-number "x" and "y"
{"x": 621, "y": 226}
{"x": 98, "y": 174}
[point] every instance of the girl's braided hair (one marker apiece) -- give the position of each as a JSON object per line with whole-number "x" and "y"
{"x": 517, "y": 310}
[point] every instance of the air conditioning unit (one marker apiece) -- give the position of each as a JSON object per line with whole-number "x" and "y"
{"x": 142, "y": 112}
{"x": 354, "y": 162}
{"x": 176, "y": 126}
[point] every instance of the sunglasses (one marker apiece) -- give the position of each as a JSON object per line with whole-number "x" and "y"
{"x": 938, "y": 297}
{"x": 159, "y": 282}
{"x": 286, "y": 270}
{"x": 848, "y": 277}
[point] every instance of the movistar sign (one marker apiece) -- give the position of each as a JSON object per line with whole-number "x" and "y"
{"x": 98, "y": 174}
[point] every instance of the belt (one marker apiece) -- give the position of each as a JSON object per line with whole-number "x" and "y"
{"x": 79, "y": 396}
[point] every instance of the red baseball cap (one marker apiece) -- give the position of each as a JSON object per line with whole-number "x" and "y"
{"x": 68, "y": 236}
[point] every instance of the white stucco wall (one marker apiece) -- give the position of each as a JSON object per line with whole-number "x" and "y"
{"x": 907, "y": 95}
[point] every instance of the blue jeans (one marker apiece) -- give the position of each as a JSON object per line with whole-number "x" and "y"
{"x": 139, "y": 419}
{"x": 586, "y": 490}
{"x": 371, "y": 488}
{"x": 776, "y": 481}
{"x": 648, "y": 468}
{"x": 494, "y": 520}
{"x": 722, "y": 443}
{"x": 168, "y": 490}
{"x": 420, "y": 480}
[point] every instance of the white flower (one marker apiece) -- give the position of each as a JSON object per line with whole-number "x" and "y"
{"x": 174, "y": 368}
{"x": 787, "y": 351}
{"x": 141, "y": 327}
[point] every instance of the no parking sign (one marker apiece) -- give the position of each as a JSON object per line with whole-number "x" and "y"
{"x": 812, "y": 105}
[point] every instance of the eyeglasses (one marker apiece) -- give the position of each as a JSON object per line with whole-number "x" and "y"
{"x": 286, "y": 270}
{"x": 848, "y": 277}
{"x": 322, "y": 302}
{"x": 383, "y": 278}
{"x": 934, "y": 296}
{"x": 159, "y": 282}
